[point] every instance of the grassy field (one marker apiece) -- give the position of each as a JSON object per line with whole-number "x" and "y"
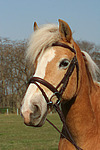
{"x": 14, "y": 135}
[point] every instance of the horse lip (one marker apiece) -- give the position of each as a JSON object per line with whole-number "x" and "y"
{"x": 32, "y": 125}
{"x": 41, "y": 123}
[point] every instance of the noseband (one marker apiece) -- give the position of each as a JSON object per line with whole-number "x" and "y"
{"x": 59, "y": 90}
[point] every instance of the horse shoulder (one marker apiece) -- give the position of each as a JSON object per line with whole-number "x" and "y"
{"x": 95, "y": 101}
{"x": 65, "y": 145}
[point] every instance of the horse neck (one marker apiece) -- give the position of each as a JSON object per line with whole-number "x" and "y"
{"x": 80, "y": 118}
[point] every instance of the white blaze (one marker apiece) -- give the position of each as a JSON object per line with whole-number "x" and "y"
{"x": 31, "y": 94}
{"x": 43, "y": 61}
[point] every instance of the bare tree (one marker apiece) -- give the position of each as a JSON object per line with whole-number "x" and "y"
{"x": 15, "y": 72}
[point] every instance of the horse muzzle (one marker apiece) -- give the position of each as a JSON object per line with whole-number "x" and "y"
{"x": 34, "y": 116}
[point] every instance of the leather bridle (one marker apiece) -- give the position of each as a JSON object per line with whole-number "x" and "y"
{"x": 59, "y": 90}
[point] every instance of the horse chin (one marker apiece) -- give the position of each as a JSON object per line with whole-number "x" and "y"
{"x": 42, "y": 122}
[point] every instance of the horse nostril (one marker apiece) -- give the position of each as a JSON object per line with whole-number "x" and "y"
{"x": 36, "y": 113}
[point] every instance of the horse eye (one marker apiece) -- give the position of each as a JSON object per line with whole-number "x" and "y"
{"x": 64, "y": 63}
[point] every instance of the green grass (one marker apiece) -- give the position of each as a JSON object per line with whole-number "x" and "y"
{"x": 14, "y": 135}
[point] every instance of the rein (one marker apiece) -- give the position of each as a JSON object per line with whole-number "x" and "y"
{"x": 58, "y": 93}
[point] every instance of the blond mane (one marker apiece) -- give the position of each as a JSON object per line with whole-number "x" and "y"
{"x": 41, "y": 39}
{"x": 91, "y": 65}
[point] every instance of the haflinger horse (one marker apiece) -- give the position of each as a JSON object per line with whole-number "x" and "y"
{"x": 63, "y": 74}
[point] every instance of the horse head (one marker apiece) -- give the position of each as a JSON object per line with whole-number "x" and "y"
{"x": 51, "y": 61}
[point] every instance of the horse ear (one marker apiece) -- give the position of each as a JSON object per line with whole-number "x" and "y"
{"x": 35, "y": 26}
{"x": 65, "y": 31}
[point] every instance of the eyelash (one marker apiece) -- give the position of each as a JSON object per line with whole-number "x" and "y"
{"x": 64, "y": 63}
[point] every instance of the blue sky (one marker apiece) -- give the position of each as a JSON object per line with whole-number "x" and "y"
{"x": 83, "y": 16}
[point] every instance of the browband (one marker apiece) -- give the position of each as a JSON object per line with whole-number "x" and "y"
{"x": 65, "y": 46}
